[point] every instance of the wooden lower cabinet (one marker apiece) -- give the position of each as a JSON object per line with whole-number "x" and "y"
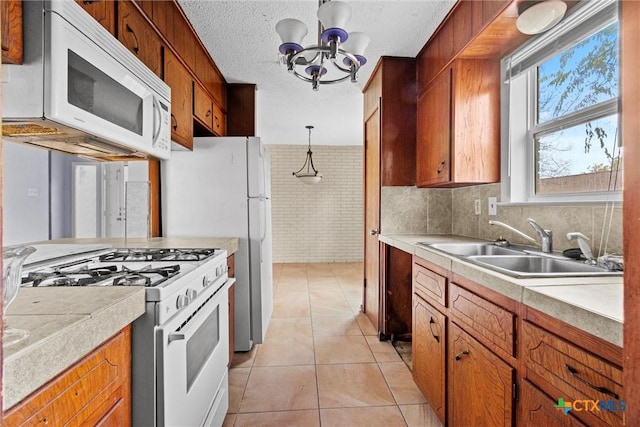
{"x": 538, "y": 409}
{"x": 95, "y": 391}
{"x": 429, "y": 344}
{"x": 481, "y": 385}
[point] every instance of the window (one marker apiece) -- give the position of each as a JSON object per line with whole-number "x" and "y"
{"x": 560, "y": 111}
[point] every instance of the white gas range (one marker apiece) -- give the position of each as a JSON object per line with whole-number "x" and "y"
{"x": 180, "y": 346}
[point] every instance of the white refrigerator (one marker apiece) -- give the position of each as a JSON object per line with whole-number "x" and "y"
{"x": 222, "y": 189}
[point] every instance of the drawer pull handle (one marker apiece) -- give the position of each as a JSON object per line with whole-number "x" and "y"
{"x": 573, "y": 371}
{"x": 431, "y": 322}
{"x": 462, "y": 353}
{"x": 441, "y": 166}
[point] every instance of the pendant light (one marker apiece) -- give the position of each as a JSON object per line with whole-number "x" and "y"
{"x": 308, "y": 173}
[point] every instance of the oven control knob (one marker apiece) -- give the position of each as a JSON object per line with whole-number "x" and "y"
{"x": 206, "y": 282}
{"x": 182, "y": 301}
{"x": 191, "y": 294}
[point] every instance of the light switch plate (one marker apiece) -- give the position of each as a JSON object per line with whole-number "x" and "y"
{"x": 493, "y": 205}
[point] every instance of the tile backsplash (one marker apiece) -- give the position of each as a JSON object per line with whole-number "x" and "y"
{"x": 451, "y": 211}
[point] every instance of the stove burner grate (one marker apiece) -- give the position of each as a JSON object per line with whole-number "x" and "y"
{"x": 147, "y": 276}
{"x": 159, "y": 254}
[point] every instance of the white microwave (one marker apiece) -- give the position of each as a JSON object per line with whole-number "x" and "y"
{"x": 81, "y": 91}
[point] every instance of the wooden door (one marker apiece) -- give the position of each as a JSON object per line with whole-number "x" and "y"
{"x": 137, "y": 35}
{"x": 433, "y": 139}
{"x": 429, "y": 356}
{"x": 480, "y": 384}
{"x": 179, "y": 80}
{"x": 371, "y": 303}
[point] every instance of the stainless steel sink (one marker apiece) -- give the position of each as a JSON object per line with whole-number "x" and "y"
{"x": 472, "y": 249}
{"x": 540, "y": 266}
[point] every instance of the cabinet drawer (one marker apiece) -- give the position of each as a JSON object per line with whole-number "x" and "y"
{"x": 540, "y": 410}
{"x": 202, "y": 106}
{"x": 561, "y": 368}
{"x": 493, "y": 323}
{"x": 429, "y": 284}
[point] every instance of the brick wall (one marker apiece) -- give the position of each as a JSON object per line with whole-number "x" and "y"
{"x": 317, "y": 223}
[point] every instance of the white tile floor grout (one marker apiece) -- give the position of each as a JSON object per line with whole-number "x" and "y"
{"x": 321, "y": 363}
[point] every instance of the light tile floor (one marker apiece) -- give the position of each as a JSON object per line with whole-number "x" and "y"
{"x": 321, "y": 363}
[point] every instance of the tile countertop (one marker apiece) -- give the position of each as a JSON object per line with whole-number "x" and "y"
{"x": 66, "y": 323}
{"x": 593, "y": 304}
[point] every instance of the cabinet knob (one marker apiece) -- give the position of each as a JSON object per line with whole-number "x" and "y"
{"x": 374, "y": 232}
{"x": 462, "y": 353}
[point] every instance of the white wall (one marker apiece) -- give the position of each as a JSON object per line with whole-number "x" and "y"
{"x": 317, "y": 223}
{"x": 25, "y": 194}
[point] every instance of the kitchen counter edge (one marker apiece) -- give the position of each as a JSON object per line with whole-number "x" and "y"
{"x": 593, "y": 304}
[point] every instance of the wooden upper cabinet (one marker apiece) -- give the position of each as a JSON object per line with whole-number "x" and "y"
{"x": 139, "y": 37}
{"x": 241, "y": 109}
{"x": 202, "y": 106}
{"x": 392, "y": 87}
{"x": 184, "y": 40}
{"x": 163, "y": 18}
{"x": 458, "y": 129}
{"x": 103, "y": 11}
{"x": 179, "y": 80}
{"x": 433, "y": 143}
{"x": 11, "y": 26}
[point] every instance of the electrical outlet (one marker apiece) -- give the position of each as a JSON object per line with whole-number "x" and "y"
{"x": 477, "y": 207}
{"x": 493, "y": 205}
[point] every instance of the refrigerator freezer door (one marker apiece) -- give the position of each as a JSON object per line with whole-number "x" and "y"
{"x": 257, "y": 170}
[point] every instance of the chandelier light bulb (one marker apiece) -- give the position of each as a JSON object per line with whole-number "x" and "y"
{"x": 356, "y": 45}
{"x": 334, "y": 16}
{"x": 291, "y": 32}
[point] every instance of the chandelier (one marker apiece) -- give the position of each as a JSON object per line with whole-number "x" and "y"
{"x": 308, "y": 173}
{"x": 342, "y": 50}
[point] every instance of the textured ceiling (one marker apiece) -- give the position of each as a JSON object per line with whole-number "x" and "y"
{"x": 241, "y": 38}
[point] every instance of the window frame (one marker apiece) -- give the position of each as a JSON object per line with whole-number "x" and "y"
{"x": 519, "y": 113}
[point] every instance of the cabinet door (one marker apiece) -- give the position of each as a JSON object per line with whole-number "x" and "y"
{"x": 202, "y": 106}
{"x": 179, "y": 80}
{"x": 481, "y": 384}
{"x": 429, "y": 357}
{"x": 11, "y": 25}
{"x": 219, "y": 121}
{"x": 137, "y": 35}
{"x": 433, "y": 147}
{"x": 538, "y": 409}
{"x": 103, "y": 11}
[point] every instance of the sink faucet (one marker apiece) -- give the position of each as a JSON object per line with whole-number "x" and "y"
{"x": 545, "y": 235}
{"x": 582, "y": 243}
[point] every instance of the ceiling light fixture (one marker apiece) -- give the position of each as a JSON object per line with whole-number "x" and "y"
{"x": 345, "y": 51}
{"x": 308, "y": 173}
{"x": 535, "y": 17}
